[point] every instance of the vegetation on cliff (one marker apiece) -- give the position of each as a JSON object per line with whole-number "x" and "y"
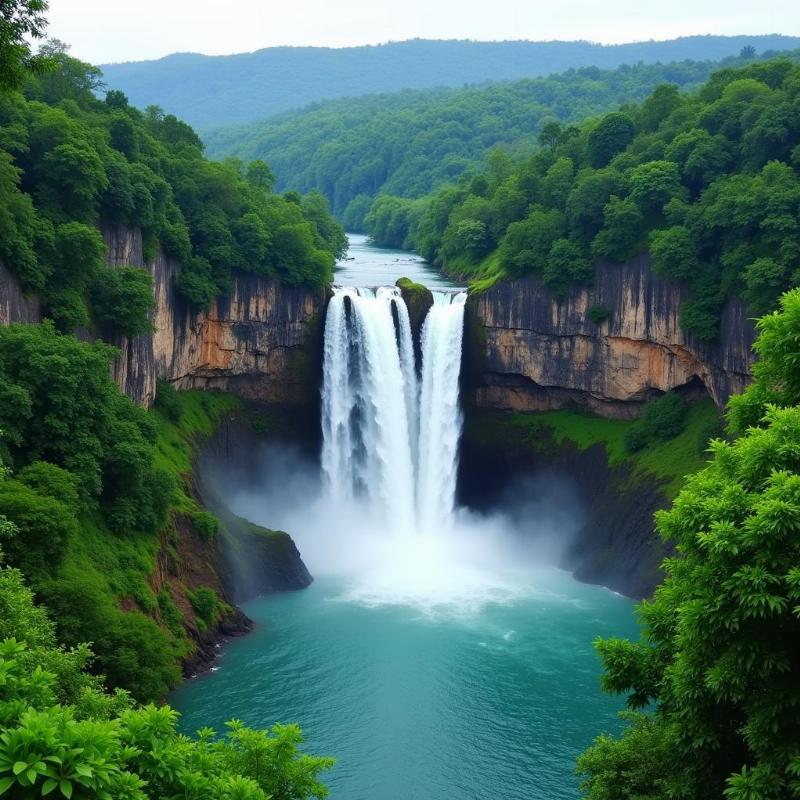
{"x": 712, "y": 685}
{"x": 665, "y": 461}
{"x": 71, "y": 163}
{"x": 95, "y": 482}
{"x": 95, "y": 505}
{"x": 707, "y": 182}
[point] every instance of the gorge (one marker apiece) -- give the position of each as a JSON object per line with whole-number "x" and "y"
{"x": 400, "y": 569}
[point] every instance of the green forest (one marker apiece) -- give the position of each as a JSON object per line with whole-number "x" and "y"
{"x": 410, "y": 143}
{"x": 706, "y": 182}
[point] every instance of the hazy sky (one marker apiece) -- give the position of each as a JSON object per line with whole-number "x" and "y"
{"x": 115, "y": 30}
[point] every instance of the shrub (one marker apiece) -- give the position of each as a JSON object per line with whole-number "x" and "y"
{"x": 169, "y": 613}
{"x": 167, "y": 400}
{"x": 662, "y": 418}
{"x": 122, "y": 298}
{"x": 598, "y": 314}
{"x": 205, "y": 524}
{"x": 206, "y": 604}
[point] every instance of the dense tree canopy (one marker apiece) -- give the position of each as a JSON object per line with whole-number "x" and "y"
{"x": 412, "y": 142}
{"x": 70, "y": 162}
{"x": 713, "y": 684}
{"x": 707, "y": 182}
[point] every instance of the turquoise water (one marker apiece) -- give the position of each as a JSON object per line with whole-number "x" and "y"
{"x": 424, "y": 702}
{"x": 377, "y": 266}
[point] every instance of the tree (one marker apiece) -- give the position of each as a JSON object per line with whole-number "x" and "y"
{"x": 551, "y": 135}
{"x": 653, "y": 184}
{"x": 260, "y": 176}
{"x": 674, "y": 254}
{"x": 621, "y": 236}
{"x": 764, "y": 279}
{"x": 122, "y": 298}
{"x": 527, "y": 243}
{"x": 566, "y": 264}
{"x": 20, "y": 20}
{"x": 609, "y": 137}
{"x": 658, "y": 106}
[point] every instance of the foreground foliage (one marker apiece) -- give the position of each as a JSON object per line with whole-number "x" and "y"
{"x": 714, "y": 681}
{"x": 62, "y": 735}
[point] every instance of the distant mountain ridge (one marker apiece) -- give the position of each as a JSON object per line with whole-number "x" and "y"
{"x": 209, "y": 91}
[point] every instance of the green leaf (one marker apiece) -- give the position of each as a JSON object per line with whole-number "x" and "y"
{"x": 6, "y": 784}
{"x": 19, "y": 766}
{"x": 66, "y": 788}
{"x": 49, "y": 785}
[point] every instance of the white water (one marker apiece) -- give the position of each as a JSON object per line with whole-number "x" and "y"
{"x": 390, "y": 440}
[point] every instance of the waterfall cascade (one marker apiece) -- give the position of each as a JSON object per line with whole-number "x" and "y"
{"x": 390, "y": 437}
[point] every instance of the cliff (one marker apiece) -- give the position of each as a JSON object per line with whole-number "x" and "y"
{"x": 14, "y": 305}
{"x": 505, "y": 463}
{"x": 528, "y": 352}
{"x": 253, "y": 560}
{"x": 259, "y": 341}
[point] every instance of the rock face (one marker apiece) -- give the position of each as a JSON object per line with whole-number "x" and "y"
{"x": 528, "y": 352}
{"x": 261, "y": 341}
{"x": 14, "y": 305}
{"x": 253, "y": 560}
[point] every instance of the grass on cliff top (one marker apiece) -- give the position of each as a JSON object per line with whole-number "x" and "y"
{"x": 480, "y": 276}
{"x": 671, "y": 461}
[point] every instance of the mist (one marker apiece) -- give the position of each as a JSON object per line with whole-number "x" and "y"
{"x": 475, "y": 559}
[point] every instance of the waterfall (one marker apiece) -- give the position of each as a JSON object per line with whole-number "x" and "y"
{"x": 390, "y": 440}
{"x": 439, "y": 412}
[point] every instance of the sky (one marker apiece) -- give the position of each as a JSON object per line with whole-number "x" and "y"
{"x": 103, "y": 31}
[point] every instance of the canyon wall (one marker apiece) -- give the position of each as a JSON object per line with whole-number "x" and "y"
{"x": 14, "y": 305}
{"x": 524, "y": 350}
{"x": 527, "y": 352}
{"x": 260, "y": 341}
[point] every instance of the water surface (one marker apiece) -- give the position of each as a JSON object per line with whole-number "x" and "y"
{"x": 378, "y": 266}
{"x": 425, "y": 704}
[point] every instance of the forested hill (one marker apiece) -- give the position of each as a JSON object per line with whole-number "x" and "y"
{"x": 409, "y": 143}
{"x": 217, "y": 90}
{"x": 705, "y": 182}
